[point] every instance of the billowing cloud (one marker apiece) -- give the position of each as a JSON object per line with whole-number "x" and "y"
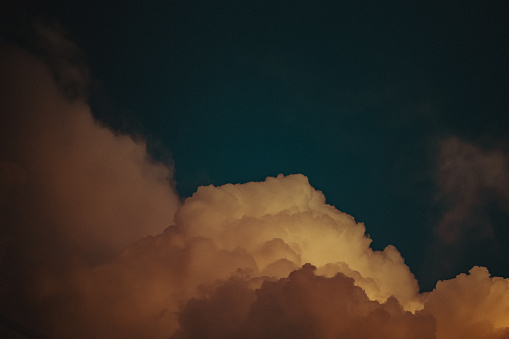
{"x": 70, "y": 189}
{"x": 95, "y": 244}
{"x": 65, "y": 163}
{"x": 293, "y": 227}
{"x": 303, "y": 305}
{"x": 472, "y": 305}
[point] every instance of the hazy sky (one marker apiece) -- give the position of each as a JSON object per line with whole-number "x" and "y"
{"x": 397, "y": 111}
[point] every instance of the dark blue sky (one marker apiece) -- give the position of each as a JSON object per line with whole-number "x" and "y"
{"x": 356, "y": 95}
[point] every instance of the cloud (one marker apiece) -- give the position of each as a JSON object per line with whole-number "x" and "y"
{"x": 472, "y": 202}
{"x": 70, "y": 189}
{"x": 472, "y": 305}
{"x": 211, "y": 279}
{"x": 61, "y": 56}
{"x": 303, "y": 305}
{"x": 297, "y": 226}
{"x": 75, "y": 171}
{"x": 264, "y": 229}
{"x": 469, "y": 177}
{"x": 95, "y": 243}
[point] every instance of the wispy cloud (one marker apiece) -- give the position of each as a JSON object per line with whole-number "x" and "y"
{"x": 469, "y": 179}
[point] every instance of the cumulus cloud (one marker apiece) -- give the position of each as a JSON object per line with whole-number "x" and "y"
{"x": 70, "y": 189}
{"x": 293, "y": 227}
{"x": 303, "y": 305}
{"x": 188, "y": 283}
{"x": 263, "y": 230}
{"x": 472, "y": 305}
{"x": 95, "y": 244}
{"x": 73, "y": 170}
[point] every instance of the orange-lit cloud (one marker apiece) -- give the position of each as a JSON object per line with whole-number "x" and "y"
{"x": 293, "y": 227}
{"x": 65, "y": 163}
{"x": 95, "y": 244}
{"x": 70, "y": 189}
{"x": 303, "y": 305}
{"x": 472, "y": 305}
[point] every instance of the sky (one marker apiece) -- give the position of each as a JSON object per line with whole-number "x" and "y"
{"x": 201, "y": 165}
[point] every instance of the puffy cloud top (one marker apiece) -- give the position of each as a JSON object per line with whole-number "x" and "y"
{"x": 293, "y": 227}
